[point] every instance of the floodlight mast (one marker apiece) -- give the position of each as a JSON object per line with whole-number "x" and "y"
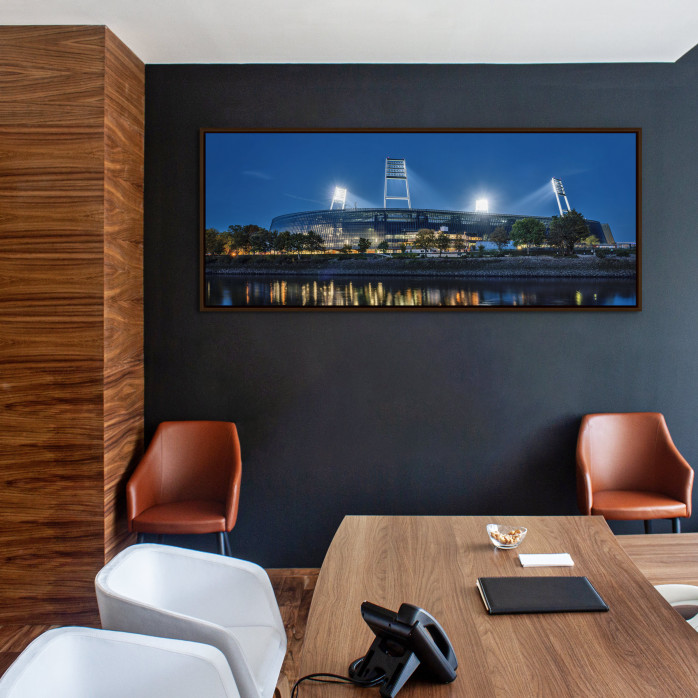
{"x": 396, "y": 169}
{"x": 560, "y": 192}
{"x": 339, "y": 197}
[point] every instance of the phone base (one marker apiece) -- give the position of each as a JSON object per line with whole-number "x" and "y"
{"x": 380, "y": 660}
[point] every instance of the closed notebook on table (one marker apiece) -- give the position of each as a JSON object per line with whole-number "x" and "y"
{"x": 539, "y": 595}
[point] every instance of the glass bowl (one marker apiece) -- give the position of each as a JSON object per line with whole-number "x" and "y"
{"x": 506, "y": 536}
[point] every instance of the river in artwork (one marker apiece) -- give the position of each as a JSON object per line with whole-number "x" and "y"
{"x": 292, "y": 291}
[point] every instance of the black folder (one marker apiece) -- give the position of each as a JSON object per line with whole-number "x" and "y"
{"x": 539, "y": 595}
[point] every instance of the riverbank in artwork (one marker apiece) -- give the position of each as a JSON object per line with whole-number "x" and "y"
{"x": 539, "y": 266}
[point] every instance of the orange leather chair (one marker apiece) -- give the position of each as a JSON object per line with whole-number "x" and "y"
{"x": 629, "y": 469}
{"x": 188, "y": 481}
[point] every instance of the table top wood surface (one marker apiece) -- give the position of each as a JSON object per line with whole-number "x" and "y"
{"x": 640, "y": 647}
{"x": 664, "y": 558}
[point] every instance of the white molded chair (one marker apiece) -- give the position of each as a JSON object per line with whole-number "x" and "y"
{"x": 186, "y": 594}
{"x": 88, "y": 663}
{"x": 684, "y": 597}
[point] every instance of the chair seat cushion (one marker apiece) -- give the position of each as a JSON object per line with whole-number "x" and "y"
{"x": 264, "y": 650}
{"x": 683, "y": 599}
{"x": 631, "y": 505}
{"x": 195, "y": 516}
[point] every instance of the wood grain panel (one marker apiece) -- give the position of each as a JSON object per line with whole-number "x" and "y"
{"x": 50, "y": 332}
{"x": 123, "y": 282}
{"x": 52, "y": 76}
{"x": 71, "y": 397}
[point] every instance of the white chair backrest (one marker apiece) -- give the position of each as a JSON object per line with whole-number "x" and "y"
{"x": 85, "y": 663}
{"x": 222, "y": 601}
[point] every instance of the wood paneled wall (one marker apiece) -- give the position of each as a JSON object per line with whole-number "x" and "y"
{"x": 123, "y": 281}
{"x": 71, "y": 333}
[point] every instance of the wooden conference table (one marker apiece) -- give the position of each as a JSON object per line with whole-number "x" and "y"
{"x": 641, "y": 647}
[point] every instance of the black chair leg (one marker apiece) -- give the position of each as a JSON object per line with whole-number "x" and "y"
{"x": 676, "y": 525}
{"x": 140, "y": 538}
{"x": 221, "y": 543}
{"x": 648, "y": 526}
{"x": 226, "y": 538}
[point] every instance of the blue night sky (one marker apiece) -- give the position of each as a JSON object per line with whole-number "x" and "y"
{"x": 252, "y": 177}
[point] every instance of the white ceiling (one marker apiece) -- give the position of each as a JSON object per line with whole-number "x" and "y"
{"x": 382, "y": 31}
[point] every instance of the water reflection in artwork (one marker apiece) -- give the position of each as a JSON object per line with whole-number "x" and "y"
{"x": 399, "y": 291}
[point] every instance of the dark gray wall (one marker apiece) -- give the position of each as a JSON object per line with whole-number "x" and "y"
{"x": 416, "y": 412}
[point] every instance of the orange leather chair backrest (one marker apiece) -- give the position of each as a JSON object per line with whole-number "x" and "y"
{"x": 629, "y": 451}
{"x": 195, "y": 460}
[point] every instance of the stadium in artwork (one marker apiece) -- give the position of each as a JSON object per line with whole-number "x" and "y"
{"x": 340, "y": 226}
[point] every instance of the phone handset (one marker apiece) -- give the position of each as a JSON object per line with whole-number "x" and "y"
{"x": 436, "y": 649}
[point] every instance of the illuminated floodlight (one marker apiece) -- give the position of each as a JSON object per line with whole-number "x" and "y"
{"x": 482, "y": 206}
{"x": 340, "y": 197}
{"x": 396, "y": 171}
{"x": 560, "y": 192}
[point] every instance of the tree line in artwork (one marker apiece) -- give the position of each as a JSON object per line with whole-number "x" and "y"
{"x": 564, "y": 233}
{"x": 253, "y": 239}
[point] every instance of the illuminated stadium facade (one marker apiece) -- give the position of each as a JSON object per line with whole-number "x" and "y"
{"x": 341, "y": 227}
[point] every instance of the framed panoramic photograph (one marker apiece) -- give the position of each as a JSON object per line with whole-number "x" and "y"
{"x": 437, "y": 219}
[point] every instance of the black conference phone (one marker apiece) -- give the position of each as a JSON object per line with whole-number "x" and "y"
{"x": 405, "y": 640}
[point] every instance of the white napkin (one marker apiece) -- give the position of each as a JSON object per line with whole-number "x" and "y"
{"x": 546, "y": 560}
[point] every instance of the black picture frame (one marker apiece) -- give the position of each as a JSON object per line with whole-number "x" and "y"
{"x": 278, "y": 175}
